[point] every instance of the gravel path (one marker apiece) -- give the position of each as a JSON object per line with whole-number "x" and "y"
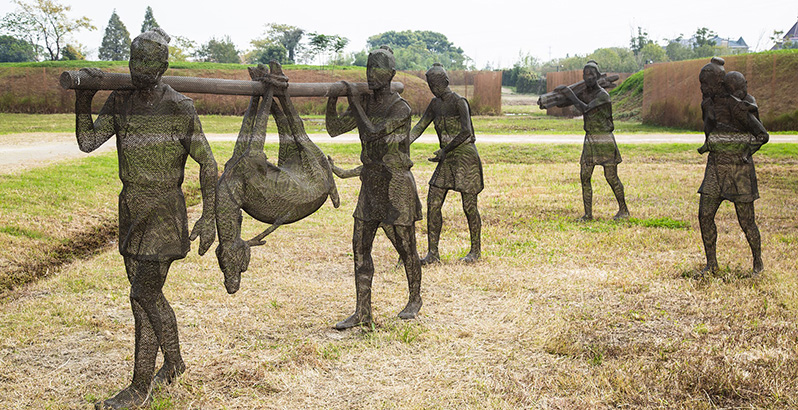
{"x": 20, "y": 152}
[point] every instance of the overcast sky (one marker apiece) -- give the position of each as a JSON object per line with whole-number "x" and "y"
{"x": 490, "y": 32}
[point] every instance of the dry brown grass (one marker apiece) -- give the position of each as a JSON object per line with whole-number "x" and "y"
{"x": 558, "y": 314}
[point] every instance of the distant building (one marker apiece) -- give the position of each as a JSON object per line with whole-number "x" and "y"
{"x": 790, "y": 38}
{"x": 738, "y": 46}
{"x": 735, "y": 46}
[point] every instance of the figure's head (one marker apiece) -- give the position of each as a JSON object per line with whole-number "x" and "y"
{"x": 711, "y": 77}
{"x": 149, "y": 57}
{"x": 591, "y": 73}
{"x": 736, "y": 84}
{"x": 438, "y": 80}
{"x": 380, "y": 68}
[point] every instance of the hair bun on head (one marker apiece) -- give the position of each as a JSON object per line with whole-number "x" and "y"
{"x": 718, "y": 61}
{"x": 384, "y": 47}
{"x": 156, "y": 35}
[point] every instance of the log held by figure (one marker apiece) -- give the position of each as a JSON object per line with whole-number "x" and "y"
{"x": 558, "y": 99}
{"x": 81, "y": 80}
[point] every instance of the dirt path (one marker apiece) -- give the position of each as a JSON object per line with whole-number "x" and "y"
{"x": 21, "y": 152}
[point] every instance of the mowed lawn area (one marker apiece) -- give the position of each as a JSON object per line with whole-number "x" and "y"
{"x": 558, "y": 314}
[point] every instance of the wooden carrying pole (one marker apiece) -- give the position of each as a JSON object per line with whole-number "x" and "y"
{"x": 79, "y": 80}
{"x": 558, "y": 99}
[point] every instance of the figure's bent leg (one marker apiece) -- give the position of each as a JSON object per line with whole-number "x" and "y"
{"x": 362, "y": 241}
{"x": 474, "y": 227}
{"x": 707, "y": 208}
{"x": 611, "y": 174}
{"x": 585, "y": 172}
{"x": 406, "y": 246}
{"x": 435, "y": 198}
{"x": 745, "y": 215}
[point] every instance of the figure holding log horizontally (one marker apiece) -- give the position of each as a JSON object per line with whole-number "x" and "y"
{"x": 388, "y": 193}
{"x": 733, "y": 133}
{"x": 459, "y": 167}
{"x": 157, "y": 128}
{"x": 599, "y": 147}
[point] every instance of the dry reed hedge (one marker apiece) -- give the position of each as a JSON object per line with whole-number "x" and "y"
{"x": 672, "y": 94}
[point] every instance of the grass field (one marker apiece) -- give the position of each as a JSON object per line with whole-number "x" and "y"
{"x": 522, "y": 120}
{"x": 557, "y": 315}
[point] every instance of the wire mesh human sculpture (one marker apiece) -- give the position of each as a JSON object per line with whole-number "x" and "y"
{"x": 599, "y": 147}
{"x": 388, "y": 195}
{"x": 276, "y": 194}
{"x": 157, "y": 128}
{"x": 733, "y": 134}
{"x": 459, "y": 166}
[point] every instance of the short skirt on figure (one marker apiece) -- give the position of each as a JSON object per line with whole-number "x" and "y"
{"x": 600, "y": 149}
{"x": 388, "y": 196}
{"x": 460, "y": 170}
{"x": 153, "y": 224}
{"x": 728, "y": 177}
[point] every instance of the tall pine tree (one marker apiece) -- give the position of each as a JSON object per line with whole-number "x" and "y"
{"x": 116, "y": 41}
{"x": 149, "y": 21}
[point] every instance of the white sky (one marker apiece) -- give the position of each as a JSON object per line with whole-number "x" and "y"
{"x": 488, "y": 31}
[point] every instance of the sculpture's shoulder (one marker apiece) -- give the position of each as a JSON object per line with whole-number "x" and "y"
{"x": 177, "y": 101}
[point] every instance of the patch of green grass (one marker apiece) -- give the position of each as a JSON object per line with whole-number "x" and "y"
{"x": 663, "y": 222}
{"x": 17, "y": 231}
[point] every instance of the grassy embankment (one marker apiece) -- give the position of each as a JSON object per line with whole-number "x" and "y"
{"x": 558, "y": 313}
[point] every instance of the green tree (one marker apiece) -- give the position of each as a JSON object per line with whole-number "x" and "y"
{"x": 704, "y": 37}
{"x": 149, "y": 22}
{"x": 181, "y": 48}
{"x": 284, "y": 35}
{"x": 116, "y": 41}
{"x": 219, "y": 51}
{"x": 676, "y": 50}
{"x": 271, "y": 52}
{"x": 614, "y": 59}
{"x": 44, "y": 23}
{"x": 70, "y": 52}
{"x": 418, "y": 50}
{"x": 14, "y": 50}
{"x": 652, "y": 53}
{"x": 641, "y": 40}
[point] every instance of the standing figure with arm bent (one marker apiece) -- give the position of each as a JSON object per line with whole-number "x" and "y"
{"x": 388, "y": 194}
{"x": 599, "y": 147}
{"x": 157, "y": 128}
{"x": 459, "y": 167}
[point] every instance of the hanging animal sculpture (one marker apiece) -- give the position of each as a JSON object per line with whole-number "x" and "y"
{"x": 275, "y": 194}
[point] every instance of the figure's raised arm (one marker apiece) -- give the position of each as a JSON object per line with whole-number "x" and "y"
{"x": 91, "y": 134}
{"x": 338, "y": 124}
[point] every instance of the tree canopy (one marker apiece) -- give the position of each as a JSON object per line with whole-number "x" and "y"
{"x": 116, "y": 41}
{"x": 149, "y": 22}
{"x": 418, "y": 50}
{"x": 14, "y": 50}
{"x": 219, "y": 51}
{"x": 44, "y": 23}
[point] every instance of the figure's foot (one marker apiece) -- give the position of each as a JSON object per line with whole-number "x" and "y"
{"x": 129, "y": 398}
{"x": 758, "y": 268}
{"x": 168, "y": 373}
{"x": 411, "y": 310}
{"x": 354, "y": 321}
{"x": 710, "y": 269}
{"x": 471, "y": 257}
{"x": 431, "y": 258}
{"x": 585, "y": 218}
{"x": 622, "y": 214}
